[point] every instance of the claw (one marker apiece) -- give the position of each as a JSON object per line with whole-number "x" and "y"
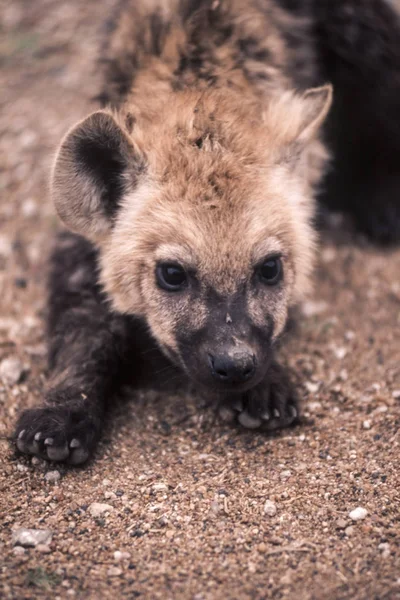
{"x": 37, "y": 436}
{"x": 238, "y": 405}
{"x": 249, "y": 422}
{"x": 277, "y": 414}
{"x": 78, "y": 456}
{"x": 21, "y": 434}
{"x": 266, "y": 416}
{"x": 48, "y": 441}
{"x": 294, "y": 412}
{"x": 58, "y": 453}
{"x": 74, "y": 443}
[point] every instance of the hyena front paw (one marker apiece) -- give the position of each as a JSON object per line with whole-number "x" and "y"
{"x": 57, "y": 433}
{"x": 270, "y": 405}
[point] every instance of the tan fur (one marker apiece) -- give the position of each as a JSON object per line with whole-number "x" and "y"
{"x": 218, "y": 209}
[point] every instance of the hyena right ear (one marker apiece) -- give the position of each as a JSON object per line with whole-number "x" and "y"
{"x": 96, "y": 164}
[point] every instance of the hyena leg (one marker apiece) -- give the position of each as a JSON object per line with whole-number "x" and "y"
{"x": 270, "y": 405}
{"x": 359, "y": 47}
{"x": 85, "y": 350}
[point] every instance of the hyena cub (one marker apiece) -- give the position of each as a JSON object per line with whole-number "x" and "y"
{"x": 193, "y": 189}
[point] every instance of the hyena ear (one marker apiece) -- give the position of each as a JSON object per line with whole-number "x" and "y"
{"x": 96, "y": 164}
{"x": 316, "y": 103}
{"x": 294, "y": 120}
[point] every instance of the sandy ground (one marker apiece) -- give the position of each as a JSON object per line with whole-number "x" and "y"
{"x": 187, "y": 515}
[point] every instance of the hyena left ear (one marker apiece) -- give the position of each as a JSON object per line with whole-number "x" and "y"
{"x": 316, "y": 103}
{"x": 96, "y": 165}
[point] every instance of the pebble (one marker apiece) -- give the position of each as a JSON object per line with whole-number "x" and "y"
{"x": 160, "y": 487}
{"x": 396, "y": 394}
{"x": 110, "y": 495}
{"x": 349, "y": 530}
{"x": 341, "y": 524}
{"x": 97, "y": 509}
{"x": 39, "y": 463}
{"x": 22, "y": 468}
{"x": 19, "y": 551}
{"x": 30, "y": 538}
{"x": 340, "y": 352}
{"x": 358, "y": 514}
{"x": 52, "y": 476}
{"x": 118, "y": 555}
{"x": 384, "y": 547}
{"x": 114, "y": 572}
{"x": 11, "y": 370}
{"x": 312, "y": 387}
{"x": 43, "y": 548}
{"x": 366, "y": 424}
{"x": 286, "y": 474}
{"x": 270, "y": 508}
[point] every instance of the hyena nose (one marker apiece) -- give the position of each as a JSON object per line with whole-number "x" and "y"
{"x": 233, "y": 368}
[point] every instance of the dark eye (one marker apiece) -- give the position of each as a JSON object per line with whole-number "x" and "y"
{"x": 171, "y": 277}
{"x": 271, "y": 271}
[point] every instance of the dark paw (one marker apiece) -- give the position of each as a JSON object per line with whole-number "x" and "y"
{"x": 270, "y": 405}
{"x": 56, "y": 433}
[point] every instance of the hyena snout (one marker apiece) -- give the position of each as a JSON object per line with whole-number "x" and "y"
{"x": 232, "y": 367}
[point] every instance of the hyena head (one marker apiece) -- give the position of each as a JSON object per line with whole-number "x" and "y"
{"x": 201, "y": 208}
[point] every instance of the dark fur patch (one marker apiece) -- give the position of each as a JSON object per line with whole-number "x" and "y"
{"x": 101, "y": 160}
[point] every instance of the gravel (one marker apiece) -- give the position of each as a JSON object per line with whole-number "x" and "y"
{"x": 270, "y": 508}
{"x": 191, "y": 515}
{"x": 97, "y": 509}
{"x": 358, "y": 514}
{"x": 52, "y": 476}
{"x": 29, "y": 538}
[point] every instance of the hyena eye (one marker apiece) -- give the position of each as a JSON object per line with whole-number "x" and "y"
{"x": 171, "y": 277}
{"x": 271, "y": 271}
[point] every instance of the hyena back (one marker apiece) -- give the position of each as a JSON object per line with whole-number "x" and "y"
{"x": 191, "y": 196}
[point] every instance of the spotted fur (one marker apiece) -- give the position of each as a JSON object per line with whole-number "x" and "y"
{"x": 208, "y": 153}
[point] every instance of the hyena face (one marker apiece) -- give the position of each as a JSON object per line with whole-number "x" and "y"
{"x": 201, "y": 213}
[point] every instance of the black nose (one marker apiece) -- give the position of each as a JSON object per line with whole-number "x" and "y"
{"x": 234, "y": 367}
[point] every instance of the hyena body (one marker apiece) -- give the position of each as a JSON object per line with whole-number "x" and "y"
{"x": 194, "y": 189}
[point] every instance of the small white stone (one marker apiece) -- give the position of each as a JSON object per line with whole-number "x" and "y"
{"x": 29, "y": 538}
{"x": 97, "y": 509}
{"x": 340, "y": 352}
{"x": 396, "y": 394}
{"x": 269, "y": 508}
{"x": 110, "y": 495}
{"x": 358, "y": 513}
{"x": 314, "y": 406}
{"x": 366, "y": 424}
{"x": 118, "y": 555}
{"x": 11, "y": 370}
{"x": 286, "y": 474}
{"x": 384, "y": 547}
{"x": 160, "y": 487}
{"x": 114, "y": 572}
{"x": 312, "y": 387}
{"x": 22, "y": 468}
{"x": 19, "y": 551}
{"x": 52, "y": 476}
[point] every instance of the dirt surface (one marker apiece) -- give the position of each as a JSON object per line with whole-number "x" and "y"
{"x": 187, "y": 515}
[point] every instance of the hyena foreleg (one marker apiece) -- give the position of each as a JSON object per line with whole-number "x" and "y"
{"x": 85, "y": 356}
